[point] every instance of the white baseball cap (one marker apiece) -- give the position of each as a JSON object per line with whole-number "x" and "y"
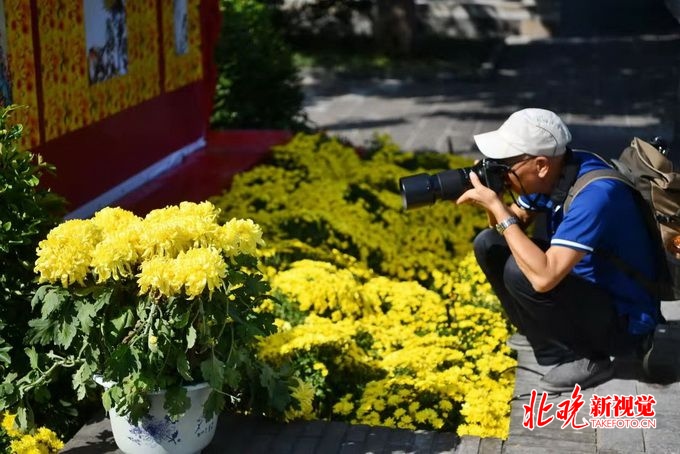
{"x": 536, "y": 132}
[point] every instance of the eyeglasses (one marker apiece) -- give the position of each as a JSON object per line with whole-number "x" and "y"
{"x": 512, "y": 163}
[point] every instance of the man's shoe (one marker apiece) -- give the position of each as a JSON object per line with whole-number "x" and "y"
{"x": 553, "y": 355}
{"x": 584, "y": 372}
{"x": 546, "y": 354}
{"x": 660, "y": 359}
{"x": 519, "y": 342}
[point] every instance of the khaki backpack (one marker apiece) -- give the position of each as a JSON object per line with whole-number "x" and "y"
{"x": 645, "y": 168}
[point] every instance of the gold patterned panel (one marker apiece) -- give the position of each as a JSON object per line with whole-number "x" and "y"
{"x": 22, "y": 66}
{"x": 182, "y": 68}
{"x": 70, "y": 101}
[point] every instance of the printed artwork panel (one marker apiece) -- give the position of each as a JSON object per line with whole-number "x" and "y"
{"x": 89, "y": 72}
{"x": 19, "y": 68}
{"x": 106, "y": 39}
{"x": 5, "y": 80}
{"x": 181, "y": 27}
{"x": 181, "y": 43}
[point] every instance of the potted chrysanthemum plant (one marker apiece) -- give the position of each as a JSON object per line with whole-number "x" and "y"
{"x": 163, "y": 312}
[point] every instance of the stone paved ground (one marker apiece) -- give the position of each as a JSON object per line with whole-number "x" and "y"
{"x": 629, "y": 380}
{"x": 606, "y": 89}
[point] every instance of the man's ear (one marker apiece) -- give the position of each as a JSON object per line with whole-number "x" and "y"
{"x": 542, "y": 164}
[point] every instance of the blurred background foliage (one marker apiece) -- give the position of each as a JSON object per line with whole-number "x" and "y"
{"x": 267, "y": 48}
{"x": 258, "y": 85}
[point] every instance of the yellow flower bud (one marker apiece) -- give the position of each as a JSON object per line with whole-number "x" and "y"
{"x": 152, "y": 342}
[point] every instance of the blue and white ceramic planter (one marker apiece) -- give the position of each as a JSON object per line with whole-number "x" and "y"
{"x": 156, "y": 433}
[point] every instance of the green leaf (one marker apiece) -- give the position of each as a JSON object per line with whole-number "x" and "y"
{"x": 4, "y": 355}
{"x": 39, "y": 295}
{"x": 183, "y": 367}
{"x": 51, "y": 302}
{"x": 213, "y": 405}
{"x": 182, "y": 319}
{"x": 279, "y": 396}
{"x": 22, "y": 417}
{"x": 123, "y": 362}
{"x": 6, "y": 391}
{"x": 191, "y": 337}
{"x": 232, "y": 377}
{"x": 277, "y": 389}
{"x": 66, "y": 333}
{"x": 80, "y": 380}
{"x": 106, "y": 400}
{"x": 213, "y": 372}
{"x": 32, "y": 357}
{"x": 103, "y": 299}
{"x": 85, "y": 314}
{"x": 176, "y": 401}
{"x": 124, "y": 320}
{"x": 42, "y": 332}
{"x": 42, "y": 394}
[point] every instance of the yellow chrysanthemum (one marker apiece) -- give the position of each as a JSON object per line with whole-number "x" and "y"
{"x": 323, "y": 289}
{"x": 192, "y": 271}
{"x": 48, "y": 438}
{"x": 44, "y": 441}
{"x": 112, "y": 219}
{"x": 8, "y": 424}
{"x": 65, "y": 255}
{"x": 198, "y": 269}
{"x": 344, "y": 406}
{"x": 239, "y": 236}
{"x": 116, "y": 256}
{"x": 303, "y": 393}
{"x": 157, "y": 276}
{"x": 174, "y": 229}
{"x": 427, "y": 346}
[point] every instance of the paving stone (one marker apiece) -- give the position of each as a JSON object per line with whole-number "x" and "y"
{"x": 445, "y": 442}
{"x": 490, "y": 446}
{"x": 262, "y": 444}
{"x": 305, "y": 445}
{"x": 401, "y": 440}
{"x": 376, "y": 439}
{"x": 468, "y": 445}
{"x": 332, "y": 437}
{"x": 620, "y": 440}
{"x": 314, "y": 428}
{"x": 665, "y": 437}
{"x": 423, "y": 441}
{"x": 549, "y": 444}
{"x": 352, "y": 447}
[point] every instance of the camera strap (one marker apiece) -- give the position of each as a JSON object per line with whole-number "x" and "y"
{"x": 566, "y": 181}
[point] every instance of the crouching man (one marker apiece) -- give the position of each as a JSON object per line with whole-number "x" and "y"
{"x": 575, "y": 307}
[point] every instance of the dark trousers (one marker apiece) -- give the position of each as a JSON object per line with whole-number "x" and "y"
{"x": 576, "y": 319}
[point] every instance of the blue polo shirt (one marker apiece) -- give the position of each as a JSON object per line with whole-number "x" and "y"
{"x": 604, "y": 216}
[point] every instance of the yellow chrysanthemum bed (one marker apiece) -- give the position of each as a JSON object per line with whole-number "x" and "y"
{"x": 41, "y": 441}
{"x": 384, "y": 314}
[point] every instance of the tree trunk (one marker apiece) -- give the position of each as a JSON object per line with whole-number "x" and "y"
{"x": 395, "y": 26}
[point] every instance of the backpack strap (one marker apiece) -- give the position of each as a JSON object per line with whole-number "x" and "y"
{"x": 594, "y": 175}
{"x": 659, "y": 289}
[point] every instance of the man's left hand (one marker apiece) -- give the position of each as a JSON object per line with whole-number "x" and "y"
{"x": 482, "y": 196}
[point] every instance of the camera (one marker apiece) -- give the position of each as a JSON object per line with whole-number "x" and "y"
{"x": 424, "y": 189}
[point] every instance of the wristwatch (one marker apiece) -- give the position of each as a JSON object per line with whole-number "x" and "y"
{"x": 504, "y": 224}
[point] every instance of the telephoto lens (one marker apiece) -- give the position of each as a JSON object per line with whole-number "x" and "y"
{"x": 424, "y": 189}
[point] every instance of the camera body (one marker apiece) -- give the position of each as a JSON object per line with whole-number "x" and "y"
{"x": 424, "y": 189}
